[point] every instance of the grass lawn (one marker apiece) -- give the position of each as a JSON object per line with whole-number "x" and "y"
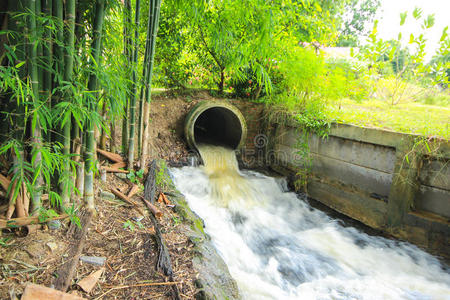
{"x": 427, "y": 120}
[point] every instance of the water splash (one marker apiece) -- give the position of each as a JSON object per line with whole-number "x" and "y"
{"x": 228, "y": 185}
{"x": 278, "y": 247}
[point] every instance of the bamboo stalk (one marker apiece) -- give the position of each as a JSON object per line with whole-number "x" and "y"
{"x": 92, "y": 86}
{"x": 153, "y": 30}
{"x": 69, "y": 43}
{"x": 36, "y": 129}
{"x": 112, "y": 140}
{"x": 131, "y": 140}
{"x": 128, "y": 55}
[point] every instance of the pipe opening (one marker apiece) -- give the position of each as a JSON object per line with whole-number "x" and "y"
{"x": 218, "y": 126}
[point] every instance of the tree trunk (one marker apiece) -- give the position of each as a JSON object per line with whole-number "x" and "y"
{"x": 131, "y": 142}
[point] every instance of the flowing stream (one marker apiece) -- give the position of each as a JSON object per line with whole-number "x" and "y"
{"x": 276, "y": 246}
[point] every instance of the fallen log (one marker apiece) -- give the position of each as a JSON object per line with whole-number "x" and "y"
{"x": 164, "y": 263}
{"x": 114, "y": 170}
{"x": 24, "y": 221}
{"x": 150, "y": 183}
{"x": 77, "y": 240}
{"x": 111, "y": 156}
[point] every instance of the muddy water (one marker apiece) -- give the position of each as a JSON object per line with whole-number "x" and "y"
{"x": 278, "y": 247}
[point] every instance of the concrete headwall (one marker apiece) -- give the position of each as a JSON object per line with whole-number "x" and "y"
{"x": 373, "y": 176}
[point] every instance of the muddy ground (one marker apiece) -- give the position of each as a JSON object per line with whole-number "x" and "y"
{"x": 119, "y": 233}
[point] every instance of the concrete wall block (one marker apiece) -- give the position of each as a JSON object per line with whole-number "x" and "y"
{"x": 436, "y": 174}
{"x": 369, "y": 180}
{"x": 434, "y": 200}
{"x": 357, "y": 206}
{"x": 373, "y": 156}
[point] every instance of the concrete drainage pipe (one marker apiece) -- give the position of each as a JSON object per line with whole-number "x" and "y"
{"x": 217, "y": 123}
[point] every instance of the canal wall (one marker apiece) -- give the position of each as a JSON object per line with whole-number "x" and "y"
{"x": 394, "y": 182}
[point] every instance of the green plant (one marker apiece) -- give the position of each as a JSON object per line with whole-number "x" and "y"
{"x": 128, "y": 224}
{"x": 132, "y": 225}
{"x": 160, "y": 176}
{"x": 134, "y": 176}
{"x": 4, "y": 242}
{"x": 45, "y": 214}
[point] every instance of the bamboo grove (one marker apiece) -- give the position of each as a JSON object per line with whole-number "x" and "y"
{"x": 70, "y": 70}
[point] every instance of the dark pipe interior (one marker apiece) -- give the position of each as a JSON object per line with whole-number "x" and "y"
{"x": 218, "y": 126}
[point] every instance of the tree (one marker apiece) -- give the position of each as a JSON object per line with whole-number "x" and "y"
{"x": 356, "y": 19}
{"x": 236, "y": 39}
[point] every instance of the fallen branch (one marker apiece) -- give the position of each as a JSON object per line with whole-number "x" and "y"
{"x": 24, "y": 221}
{"x": 114, "y": 170}
{"x": 126, "y": 199}
{"x": 111, "y": 156}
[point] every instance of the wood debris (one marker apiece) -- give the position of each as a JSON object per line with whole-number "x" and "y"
{"x": 89, "y": 282}
{"x": 39, "y": 292}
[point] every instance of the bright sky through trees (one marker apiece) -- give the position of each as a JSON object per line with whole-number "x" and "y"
{"x": 389, "y": 16}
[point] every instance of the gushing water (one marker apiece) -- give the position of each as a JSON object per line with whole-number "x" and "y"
{"x": 277, "y": 247}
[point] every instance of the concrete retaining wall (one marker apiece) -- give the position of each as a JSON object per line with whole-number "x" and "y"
{"x": 364, "y": 173}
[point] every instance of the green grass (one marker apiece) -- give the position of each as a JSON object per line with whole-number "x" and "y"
{"x": 427, "y": 120}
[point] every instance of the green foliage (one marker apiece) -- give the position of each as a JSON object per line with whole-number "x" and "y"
{"x": 45, "y": 214}
{"x": 161, "y": 179}
{"x": 135, "y": 176}
{"x": 357, "y": 15}
{"x": 132, "y": 225}
{"x": 234, "y": 42}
